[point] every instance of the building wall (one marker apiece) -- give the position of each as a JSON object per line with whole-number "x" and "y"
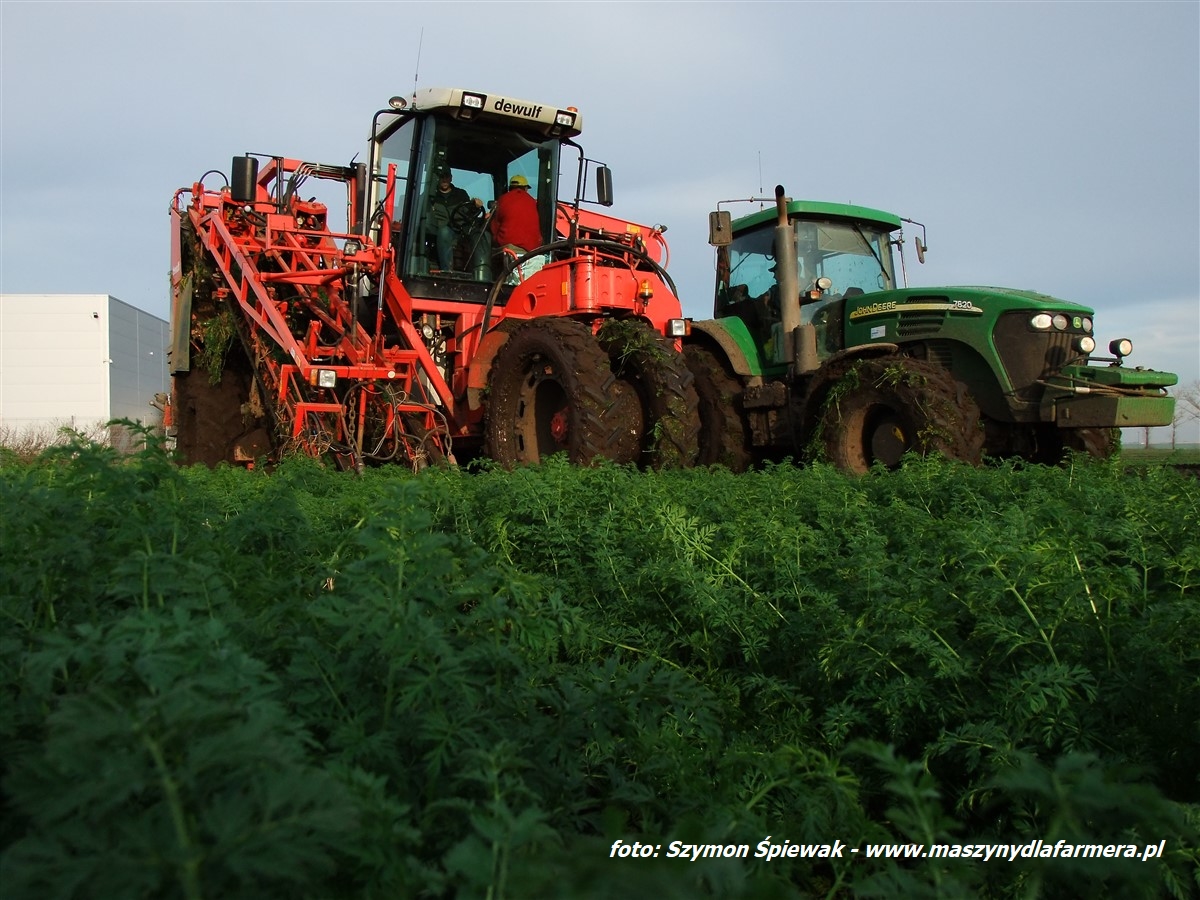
{"x": 137, "y": 346}
{"x": 78, "y": 360}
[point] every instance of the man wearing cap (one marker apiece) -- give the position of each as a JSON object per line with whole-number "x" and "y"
{"x": 515, "y": 220}
{"x": 442, "y": 203}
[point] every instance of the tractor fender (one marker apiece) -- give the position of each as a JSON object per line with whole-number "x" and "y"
{"x": 863, "y": 351}
{"x": 481, "y": 367}
{"x": 739, "y": 361}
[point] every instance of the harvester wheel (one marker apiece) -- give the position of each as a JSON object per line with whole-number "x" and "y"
{"x": 881, "y": 409}
{"x": 669, "y": 429}
{"x": 546, "y": 395}
{"x": 723, "y": 438}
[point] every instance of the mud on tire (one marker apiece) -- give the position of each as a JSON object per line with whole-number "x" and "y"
{"x": 646, "y": 367}
{"x": 1098, "y": 443}
{"x": 723, "y": 435}
{"x": 880, "y": 409}
{"x": 546, "y": 395}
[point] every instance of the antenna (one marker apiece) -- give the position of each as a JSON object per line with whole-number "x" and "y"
{"x": 417, "y": 67}
{"x": 760, "y": 187}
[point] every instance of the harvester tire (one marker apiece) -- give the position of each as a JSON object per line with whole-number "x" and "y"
{"x": 546, "y": 395}
{"x": 669, "y": 418}
{"x": 723, "y": 435}
{"x": 881, "y": 409}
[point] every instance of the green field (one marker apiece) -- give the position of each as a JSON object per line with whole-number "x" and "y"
{"x": 1183, "y": 456}
{"x": 307, "y": 684}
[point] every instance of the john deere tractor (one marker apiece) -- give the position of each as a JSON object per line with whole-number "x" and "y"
{"x": 818, "y": 349}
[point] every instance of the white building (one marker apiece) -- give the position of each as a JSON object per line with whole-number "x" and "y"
{"x": 79, "y": 361}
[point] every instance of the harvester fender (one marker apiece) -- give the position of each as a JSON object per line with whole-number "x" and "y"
{"x": 480, "y": 369}
{"x": 740, "y": 361}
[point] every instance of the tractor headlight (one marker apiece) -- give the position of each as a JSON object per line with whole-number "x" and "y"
{"x": 1041, "y": 321}
{"x": 1085, "y": 344}
{"x": 1060, "y": 322}
{"x": 1087, "y": 324}
{"x": 1121, "y": 347}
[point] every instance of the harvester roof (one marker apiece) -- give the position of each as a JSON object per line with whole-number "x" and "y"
{"x": 549, "y": 120}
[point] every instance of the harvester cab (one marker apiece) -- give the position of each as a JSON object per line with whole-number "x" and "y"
{"x": 458, "y": 302}
{"x": 824, "y": 350}
{"x": 455, "y": 153}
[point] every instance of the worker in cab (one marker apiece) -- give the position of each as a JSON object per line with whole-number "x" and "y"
{"x": 515, "y": 224}
{"x": 450, "y": 209}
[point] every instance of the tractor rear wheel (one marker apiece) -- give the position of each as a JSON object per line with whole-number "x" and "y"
{"x": 669, "y": 420}
{"x": 723, "y": 434}
{"x": 881, "y": 409}
{"x": 546, "y": 395}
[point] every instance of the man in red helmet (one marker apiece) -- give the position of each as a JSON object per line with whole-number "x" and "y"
{"x": 515, "y": 222}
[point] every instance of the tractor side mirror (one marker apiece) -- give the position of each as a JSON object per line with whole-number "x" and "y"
{"x": 921, "y": 248}
{"x": 720, "y": 228}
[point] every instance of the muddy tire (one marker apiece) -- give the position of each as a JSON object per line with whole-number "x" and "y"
{"x": 546, "y": 395}
{"x": 881, "y": 409}
{"x": 668, "y": 421}
{"x": 1098, "y": 443}
{"x": 723, "y": 432}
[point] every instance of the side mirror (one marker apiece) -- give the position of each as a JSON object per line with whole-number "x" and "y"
{"x": 921, "y": 248}
{"x": 720, "y": 228}
{"x": 604, "y": 188}
{"x": 244, "y": 182}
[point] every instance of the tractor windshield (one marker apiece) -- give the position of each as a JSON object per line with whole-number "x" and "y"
{"x": 855, "y": 256}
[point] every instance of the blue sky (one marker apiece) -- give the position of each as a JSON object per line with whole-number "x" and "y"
{"x": 1053, "y": 146}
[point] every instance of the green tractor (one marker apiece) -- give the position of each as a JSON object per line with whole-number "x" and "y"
{"x": 818, "y": 349}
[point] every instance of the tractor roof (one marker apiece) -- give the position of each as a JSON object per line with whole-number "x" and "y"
{"x": 819, "y": 210}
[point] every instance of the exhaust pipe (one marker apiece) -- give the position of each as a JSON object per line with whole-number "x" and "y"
{"x": 787, "y": 280}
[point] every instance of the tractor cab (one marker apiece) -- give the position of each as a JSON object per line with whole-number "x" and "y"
{"x": 439, "y": 165}
{"x": 841, "y": 252}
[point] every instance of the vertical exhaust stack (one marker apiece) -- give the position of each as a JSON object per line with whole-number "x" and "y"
{"x": 794, "y": 341}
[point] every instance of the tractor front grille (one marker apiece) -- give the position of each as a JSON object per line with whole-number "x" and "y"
{"x": 919, "y": 323}
{"x": 1029, "y": 355}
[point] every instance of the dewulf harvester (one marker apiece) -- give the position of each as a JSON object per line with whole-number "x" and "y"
{"x": 295, "y": 330}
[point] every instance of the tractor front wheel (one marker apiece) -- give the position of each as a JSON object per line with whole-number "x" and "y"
{"x": 881, "y": 409}
{"x": 1098, "y": 443}
{"x": 546, "y": 395}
